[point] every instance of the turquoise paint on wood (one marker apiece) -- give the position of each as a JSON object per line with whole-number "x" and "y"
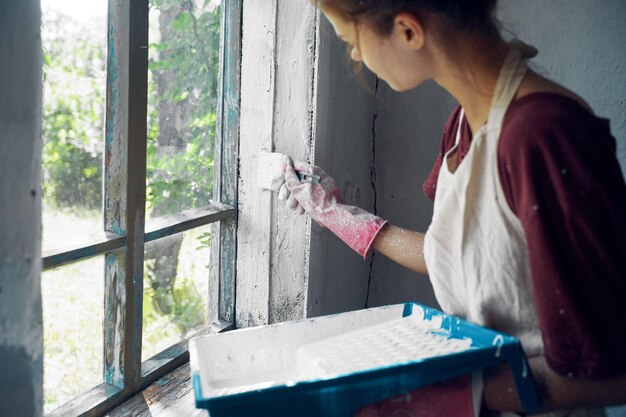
{"x": 223, "y": 268}
{"x": 116, "y": 114}
{"x": 124, "y": 180}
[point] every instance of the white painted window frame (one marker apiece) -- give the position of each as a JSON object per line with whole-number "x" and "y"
{"x": 278, "y": 109}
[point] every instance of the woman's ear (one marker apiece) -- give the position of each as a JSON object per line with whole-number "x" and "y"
{"x": 409, "y": 30}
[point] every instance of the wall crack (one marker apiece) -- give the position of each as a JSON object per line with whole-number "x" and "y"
{"x": 373, "y": 184}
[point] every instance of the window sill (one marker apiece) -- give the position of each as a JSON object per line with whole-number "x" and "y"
{"x": 170, "y": 395}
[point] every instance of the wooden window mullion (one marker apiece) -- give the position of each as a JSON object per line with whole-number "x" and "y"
{"x": 224, "y": 245}
{"x": 125, "y": 187}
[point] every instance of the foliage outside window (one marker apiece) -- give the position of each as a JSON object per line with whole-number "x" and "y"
{"x": 183, "y": 90}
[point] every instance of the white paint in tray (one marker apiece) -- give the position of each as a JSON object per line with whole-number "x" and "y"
{"x": 317, "y": 349}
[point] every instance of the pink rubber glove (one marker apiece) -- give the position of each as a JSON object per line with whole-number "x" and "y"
{"x": 356, "y": 227}
{"x": 452, "y": 398}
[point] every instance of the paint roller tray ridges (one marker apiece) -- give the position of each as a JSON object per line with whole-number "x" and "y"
{"x": 332, "y": 365}
{"x": 409, "y": 339}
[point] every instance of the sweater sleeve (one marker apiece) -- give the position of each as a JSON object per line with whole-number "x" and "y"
{"x": 559, "y": 172}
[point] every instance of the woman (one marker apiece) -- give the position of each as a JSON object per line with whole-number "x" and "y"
{"x": 528, "y": 234}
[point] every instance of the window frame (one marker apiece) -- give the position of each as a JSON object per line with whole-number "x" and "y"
{"x": 125, "y": 229}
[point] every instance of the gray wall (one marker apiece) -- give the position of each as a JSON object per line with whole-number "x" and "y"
{"x": 582, "y": 45}
{"x": 408, "y": 133}
{"x": 338, "y": 277}
{"x": 21, "y": 331}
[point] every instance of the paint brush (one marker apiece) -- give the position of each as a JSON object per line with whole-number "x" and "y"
{"x": 271, "y": 172}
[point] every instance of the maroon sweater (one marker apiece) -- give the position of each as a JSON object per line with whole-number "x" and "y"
{"x": 561, "y": 178}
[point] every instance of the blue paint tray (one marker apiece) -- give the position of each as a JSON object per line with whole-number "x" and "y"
{"x": 333, "y": 365}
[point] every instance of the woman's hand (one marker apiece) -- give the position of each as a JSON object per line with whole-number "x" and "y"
{"x": 361, "y": 230}
{"x": 312, "y": 197}
{"x": 322, "y": 201}
{"x": 557, "y": 392}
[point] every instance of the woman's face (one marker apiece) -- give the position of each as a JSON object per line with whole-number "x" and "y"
{"x": 392, "y": 58}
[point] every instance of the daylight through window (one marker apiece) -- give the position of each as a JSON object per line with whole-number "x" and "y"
{"x": 139, "y": 142}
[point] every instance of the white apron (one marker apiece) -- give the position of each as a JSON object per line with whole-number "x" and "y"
{"x": 475, "y": 248}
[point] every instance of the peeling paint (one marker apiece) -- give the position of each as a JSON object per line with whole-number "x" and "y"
{"x": 256, "y": 121}
{"x": 295, "y": 60}
{"x": 112, "y": 89}
{"x": 114, "y": 321}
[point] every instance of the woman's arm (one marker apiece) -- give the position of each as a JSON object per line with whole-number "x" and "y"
{"x": 403, "y": 246}
{"x": 557, "y": 392}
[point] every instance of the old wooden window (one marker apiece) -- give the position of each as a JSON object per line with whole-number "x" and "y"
{"x": 140, "y": 153}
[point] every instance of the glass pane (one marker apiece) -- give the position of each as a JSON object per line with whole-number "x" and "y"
{"x": 74, "y": 47}
{"x": 176, "y": 283}
{"x": 73, "y": 306}
{"x": 184, "y": 46}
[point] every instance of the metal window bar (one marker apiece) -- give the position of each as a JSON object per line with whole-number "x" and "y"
{"x": 125, "y": 231}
